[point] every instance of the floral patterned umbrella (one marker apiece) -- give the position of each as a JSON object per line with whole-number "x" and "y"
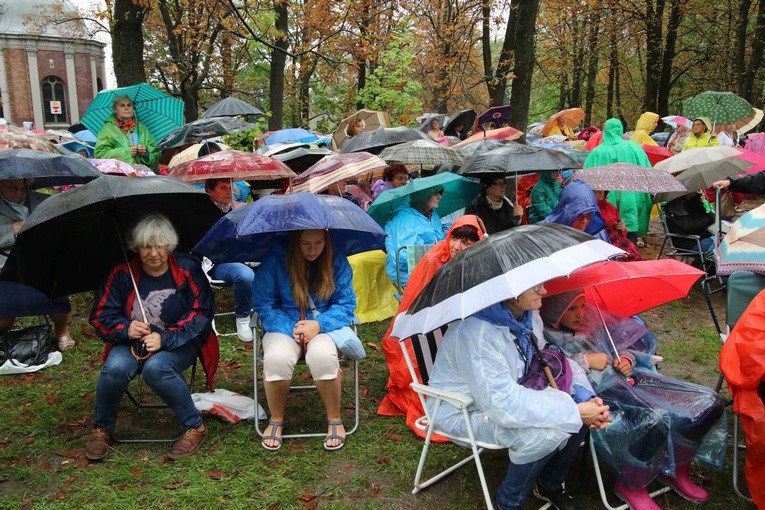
{"x": 12, "y": 137}
{"x": 117, "y": 167}
{"x": 231, "y": 164}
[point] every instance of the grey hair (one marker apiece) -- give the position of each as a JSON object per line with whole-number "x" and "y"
{"x": 153, "y": 230}
{"x": 118, "y": 98}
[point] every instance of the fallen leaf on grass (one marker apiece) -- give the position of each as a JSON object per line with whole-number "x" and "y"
{"x": 376, "y": 488}
{"x": 215, "y": 474}
{"x": 27, "y": 440}
{"x": 70, "y": 454}
{"x": 307, "y": 496}
{"x": 135, "y": 472}
{"x": 52, "y": 399}
{"x": 395, "y": 437}
{"x": 311, "y": 505}
{"x": 383, "y": 459}
{"x": 177, "y": 485}
{"x": 373, "y": 346}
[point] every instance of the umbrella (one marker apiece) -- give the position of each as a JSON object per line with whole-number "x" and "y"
{"x": 720, "y": 107}
{"x": 504, "y": 133}
{"x": 336, "y": 168}
{"x": 76, "y": 147}
{"x": 464, "y": 117}
{"x": 375, "y": 141}
{"x": 85, "y": 135}
{"x": 743, "y": 247}
{"x": 629, "y": 177}
{"x": 687, "y": 159}
{"x": 57, "y": 136}
{"x": 704, "y": 175}
{"x": 677, "y": 120}
{"x": 458, "y": 193}
{"x": 421, "y": 152}
{"x": 425, "y": 125}
{"x": 158, "y": 111}
{"x": 281, "y": 147}
{"x": 758, "y": 160}
{"x": 231, "y": 107}
{"x": 499, "y": 268}
{"x": 202, "y": 129}
{"x": 479, "y": 146}
{"x": 291, "y": 135}
{"x": 516, "y": 158}
{"x": 373, "y": 120}
{"x": 648, "y": 283}
{"x": 12, "y": 137}
{"x": 656, "y": 153}
{"x": 118, "y": 167}
{"x": 82, "y": 230}
{"x": 577, "y": 155}
{"x": 494, "y": 117}
{"x": 571, "y": 117}
{"x": 192, "y": 152}
{"x": 748, "y": 123}
{"x": 301, "y": 158}
{"x": 247, "y": 233}
{"x": 46, "y": 168}
{"x": 231, "y": 164}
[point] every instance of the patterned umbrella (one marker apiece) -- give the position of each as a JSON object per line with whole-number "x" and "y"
{"x": 743, "y": 247}
{"x": 202, "y": 129}
{"x": 117, "y": 167}
{"x": 505, "y": 133}
{"x": 336, "y": 168}
{"x": 492, "y": 118}
{"x": 687, "y": 159}
{"x": 12, "y": 137}
{"x": 192, "y": 152}
{"x": 231, "y": 164}
{"x": 422, "y": 152}
{"x": 628, "y": 177}
{"x": 231, "y": 107}
{"x": 720, "y": 107}
{"x": 748, "y": 123}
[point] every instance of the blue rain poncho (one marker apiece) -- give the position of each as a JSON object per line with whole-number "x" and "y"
{"x": 408, "y": 227}
{"x": 576, "y": 199}
{"x": 659, "y": 422}
{"x": 482, "y": 360}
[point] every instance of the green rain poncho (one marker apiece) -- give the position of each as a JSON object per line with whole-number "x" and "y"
{"x": 544, "y": 196}
{"x": 634, "y": 208}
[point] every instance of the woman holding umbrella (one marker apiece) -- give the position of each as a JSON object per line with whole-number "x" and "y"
{"x": 123, "y": 137}
{"x": 701, "y": 135}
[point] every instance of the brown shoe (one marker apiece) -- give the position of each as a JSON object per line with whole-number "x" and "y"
{"x": 188, "y": 443}
{"x": 98, "y": 446}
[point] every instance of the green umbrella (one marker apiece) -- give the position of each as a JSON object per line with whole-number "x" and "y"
{"x": 156, "y": 110}
{"x": 458, "y": 193}
{"x": 720, "y": 107}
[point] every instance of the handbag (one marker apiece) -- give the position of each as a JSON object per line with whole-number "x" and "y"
{"x": 535, "y": 377}
{"x": 28, "y": 346}
{"x": 345, "y": 338}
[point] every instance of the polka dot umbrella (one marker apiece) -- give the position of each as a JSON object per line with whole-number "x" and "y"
{"x": 720, "y": 107}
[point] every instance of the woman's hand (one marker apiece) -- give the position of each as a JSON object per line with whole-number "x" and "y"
{"x": 17, "y": 225}
{"x": 307, "y": 328}
{"x": 141, "y": 150}
{"x": 152, "y": 342}
{"x": 137, "y": 330}
{"x": 619, "y": 225}
{"x": 597, "y": 361}
{"x": 594, "y": 413}
{"x": 133, "y": 150}
{"x": 723, "y": 184}
{"x": 623, "y": 365}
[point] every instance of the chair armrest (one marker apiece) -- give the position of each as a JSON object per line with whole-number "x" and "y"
{"x": 456, "y": 399}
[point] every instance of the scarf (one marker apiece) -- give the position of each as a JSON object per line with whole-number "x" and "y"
{"x": 126, "y": 125}
{"x": 21, "y": 209}
{"x": 223, "y": 207}
{"x": 495, "y": 206}
{"x": 499, "y": 315}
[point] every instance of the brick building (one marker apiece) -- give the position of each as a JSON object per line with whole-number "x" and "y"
{"x": 49, "y": 73}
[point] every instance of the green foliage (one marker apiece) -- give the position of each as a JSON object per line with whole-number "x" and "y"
{"x": 245, "y": 140}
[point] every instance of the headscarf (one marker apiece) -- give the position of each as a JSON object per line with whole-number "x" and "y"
{"x": 643, "y": 128}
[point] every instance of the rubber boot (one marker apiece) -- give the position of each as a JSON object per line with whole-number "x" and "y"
{"x": 636, "y": 499}
{"x": 683, "y": 485}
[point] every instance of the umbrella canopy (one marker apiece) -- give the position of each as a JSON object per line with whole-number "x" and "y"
{"x": 720, "y": 107}
{"x": 231, "y": 107}
{"x": 516, "y": 158}
{"x": 118, "y": 167}
{"x": 571, "y": 117}
{"x": 743, "y": 247}
{"x": 421, "y": 152}
{"x": 505, "y": 133}
{"x": 748, "y": 123}
{"x": 373, "y": 120}
{"x": 291, "y": 135}
{"x": 57, "y": 136}
{"x": 577, "y": 155}
{"x": 458, "y": 193}
{"x": 425, "y": 125}
{"x": 687, "y": 159}
{"x": 479, "y": 147}
{"x": 375, "y": 141}
{"x": 12, "y": 137}
{"x": 677, "y": 120}
{"x": 192, "y": 152}
{"x": 499, "y": 268}
{"x": 494, "y": 117}
{"x": 336, "y": 168}
{"x": 86, "y": 135}
{"x": 158, "y": 111}
{"x": 202, "y": 129}
{"x": 46, "y": 168}
{"x": 281, "y": 147}
{"x": 648, "y": 283}
{"x": 302, "y": 158}
{"x": 704, "y": 175}
{"x": 656, "y": 153}
{"x": 76, "y": 147}
{"x": 246, "y": 234}
{"x": 466, "y": 118}
{"x": 231, "y": 164}
{"x": 629, "y": 177}
{"x": 83, "y": 230}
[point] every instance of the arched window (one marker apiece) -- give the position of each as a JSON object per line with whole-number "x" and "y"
{"x": 54, "y": 100}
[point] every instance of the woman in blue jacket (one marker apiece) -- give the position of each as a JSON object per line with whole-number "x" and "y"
{"x": 303, "y": 292}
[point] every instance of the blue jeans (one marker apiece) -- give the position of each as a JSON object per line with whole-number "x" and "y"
{"x": 549, "y": 472}
{"x": 240, "y": 276}
{"x": 161, "y": 372}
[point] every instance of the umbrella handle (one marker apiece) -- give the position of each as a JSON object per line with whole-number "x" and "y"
{"x": 545, "y": 366}
{"x": 139, "y": 357}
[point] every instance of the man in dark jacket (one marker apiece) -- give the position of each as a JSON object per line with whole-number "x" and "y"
{"x": 494, "y": 208}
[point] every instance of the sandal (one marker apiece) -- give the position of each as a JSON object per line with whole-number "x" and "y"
{"x": 275, "y": 425}
{"x": 65, "y": 343}
{"x": 334, "y": 435}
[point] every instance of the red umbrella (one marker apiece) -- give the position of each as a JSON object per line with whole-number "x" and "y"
{"x": 656, "y": 153}
{"x": 232, "y": 164}
{"x": 629, "y": 288}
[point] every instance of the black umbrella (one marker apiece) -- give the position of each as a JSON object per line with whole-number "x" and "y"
{"x": 464, "y": 117}
{"x": 440, "y": 117}
{"x": 46, "y": 168}
{"x": 72, "y": 240}
{"x": 515, "y": 158}
{"x": 302, "y": 158}
{"x": 202, "y": 129}
{"x": 231, "y": 107}
{"x": 375, "y": 141}
{"x": 479, "y": 147}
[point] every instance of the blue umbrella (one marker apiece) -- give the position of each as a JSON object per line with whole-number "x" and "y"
{"x": 291, "y": 135}
{"x": 246, "y": 234}
{"x": 86, "y": 136}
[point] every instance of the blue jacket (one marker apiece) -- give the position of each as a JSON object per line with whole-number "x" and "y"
{"x": 407, "y": 227}
{"x": 272, "y": 296}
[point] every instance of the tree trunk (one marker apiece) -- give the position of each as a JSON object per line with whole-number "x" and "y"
{"x": 227, "y": 64}
{"x": 127, "y": 43}
{"x": 525, "y": 44}
{"x": 278, "y": 62}
{"x": 592, "y": 64}
{"x": 575, "y": 94}
{"x": 496, "y": 82}
{"x": 654, "y": 16}
{"x": 670, "y": 43}
{"x": 613, "y": 71}
{"x": 564, "y": 89}
{"x": 755, "y": 62}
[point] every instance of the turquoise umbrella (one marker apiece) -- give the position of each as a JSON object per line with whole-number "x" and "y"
{"x": 720, "y": 107}
{"x": 156, "y": 110}
{"x": 458, "y": 193}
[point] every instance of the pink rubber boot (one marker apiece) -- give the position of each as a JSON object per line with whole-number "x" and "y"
{"x": 683, "y": 485}
{"x": 636, "y": 499}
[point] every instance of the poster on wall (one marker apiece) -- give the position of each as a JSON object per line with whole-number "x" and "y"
{"x": 55, "y": 107}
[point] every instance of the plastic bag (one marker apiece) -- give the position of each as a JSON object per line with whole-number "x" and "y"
{"x": 28, "y": 346}
{"x": 348, "y": 343}
{"x": 229, "y": 406}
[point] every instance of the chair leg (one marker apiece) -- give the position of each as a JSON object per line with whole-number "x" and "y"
{"x": 736, "y": 447}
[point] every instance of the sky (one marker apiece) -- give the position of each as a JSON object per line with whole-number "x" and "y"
{"x": 111, "y": 81}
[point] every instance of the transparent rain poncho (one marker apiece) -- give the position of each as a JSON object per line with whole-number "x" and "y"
{"x": 659, "y": 422}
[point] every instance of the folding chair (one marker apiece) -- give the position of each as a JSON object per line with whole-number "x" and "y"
{"x": 220, "y": 284}
{"x": 257, "y": 356}
{"x": 414, "y": 253}
{"x": 679, "y": 252}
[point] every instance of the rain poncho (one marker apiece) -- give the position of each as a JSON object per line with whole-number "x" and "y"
{"x": 407, "y": 227}
{"x": 112, "y": 143}
{"x": 705, "y": 140}
{"x": 576, "y": 199}
{"x": 544, "y": 196}
{"x": 742, "y": 362}
{"x": 483, "y": 360}
{"x": 401, "y": 399}
{"x": 659, "y": 421}
{"x": 645, "y": 124}
{"x": 634, "y": 208}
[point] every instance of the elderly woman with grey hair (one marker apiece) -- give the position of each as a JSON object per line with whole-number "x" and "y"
{"x": 170, "y": 320}
{"x": 123, "y": 137}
